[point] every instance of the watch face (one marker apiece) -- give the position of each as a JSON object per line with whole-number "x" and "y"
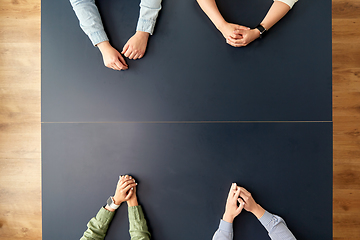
{"x": 261, "y": 29}
{"x": 109, "y": 201}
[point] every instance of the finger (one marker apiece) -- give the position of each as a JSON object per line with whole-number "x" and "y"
{"x": 122, "y": 60}
{"x": 236, "y": 40}
{"x": 127, "y": 52}
{"x": 236, "y": 36}
{"x": 129, "y": 194}
{"x": 237, "y": 43}
{"x": 136, "y": 56}
{"x": 115, "y": 66}
{"x": 245, "y": 191}
{"x": 232, "y": 44}
{"x": 141, "y": 55}
{"x": 242, "y": 27}
{"x": 239, "y": 31}
{"x": 125, "y": 48}
{"x": 132, "y": 55}
{"x": 126, "y": 182}
{"x": 232, "y": 190}
{"x": 120, "y": 66}
{"x": 241, "y": 204}
{"x": 128, "y": 187}
{"x": 237, "y": 193}
{"x": 245, "y": 195}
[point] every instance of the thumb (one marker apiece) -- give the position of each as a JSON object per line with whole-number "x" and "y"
{"x": 129, "y": 194}
{"x": 242, "y": 203}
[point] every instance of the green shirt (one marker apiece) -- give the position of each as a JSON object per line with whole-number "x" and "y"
{"x": 98, "y": 225}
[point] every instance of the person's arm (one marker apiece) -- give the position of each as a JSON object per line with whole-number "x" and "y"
{"x": 275, "y": 225}
{"x": 137, "y": 222}
{"x": 138, "y": 227}
{"x": 276, "y": 12}
{"x": 90, "y": 22}
{"x": 232, "y": 210}
{"x": 135, "y": 47}
{"x": 149, "y": 11}
{"x": 98, "y": 225}
{"x": 211, "y": 10}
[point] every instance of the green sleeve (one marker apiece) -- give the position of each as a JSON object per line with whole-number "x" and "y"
{"x": 138, "y": 228}
{"x": 98, "y": 225}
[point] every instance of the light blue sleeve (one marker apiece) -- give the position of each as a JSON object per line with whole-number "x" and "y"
{"x": 288, "y": 2}
{"x": 224, "y": 232}
{"x": 90, "y": 20}
{"x": 276, "y": 227}
{"x": 149, "y": 11}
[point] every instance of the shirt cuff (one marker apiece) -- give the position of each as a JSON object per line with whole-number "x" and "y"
{"x": 266, "y": 219}
{"x": 98, "y": 37}
{"x": 104, "y": 215}
{"x": 146, "y": 25}
{"x": 136, "y": 213}
{"x": 288, "y": 2}
{"x": 225, "y": 226}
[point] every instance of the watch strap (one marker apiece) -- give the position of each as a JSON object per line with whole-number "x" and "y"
{"x": 261, "y": 29}
{"x": 110, "y": 203}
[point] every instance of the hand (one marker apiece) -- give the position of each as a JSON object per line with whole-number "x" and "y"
{"x": 132, "y": 201}
{"x": 250, "y": 204}
{"x": 232, "y": 209}
{"x": 112, "y": 58}
{"x": 228, "y": 31}
{"x": 247, "y": 36}
{"x": 125, "y": 189}
{"x": 136, "y": 46}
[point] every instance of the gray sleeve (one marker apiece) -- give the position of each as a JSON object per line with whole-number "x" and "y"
{"x": 90, "y": 20}
{"x": 149, "y": 11}
{"x": 224, "y": 232}
{"x": 276, "y": 227}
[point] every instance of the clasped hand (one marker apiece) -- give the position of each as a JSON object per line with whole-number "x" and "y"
{"x": 237, "y": 35}
{"x": 238, "y": 199}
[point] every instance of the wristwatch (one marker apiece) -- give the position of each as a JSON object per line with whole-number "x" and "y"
{"x": 110, "y": 203}
{"x": 261, "y": 29}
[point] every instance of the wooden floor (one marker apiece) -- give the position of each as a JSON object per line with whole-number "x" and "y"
{"x": 20, "y": 147}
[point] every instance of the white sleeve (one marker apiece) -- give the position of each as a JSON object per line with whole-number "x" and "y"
{"x": 288, "y": 2}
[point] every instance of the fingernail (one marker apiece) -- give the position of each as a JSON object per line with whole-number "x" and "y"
{"x": 130, "y": 177}
{"x": 132, "y": 188}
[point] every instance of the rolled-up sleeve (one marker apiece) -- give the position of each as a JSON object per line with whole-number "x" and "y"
{"x": 138, "y": 227}
{"x": 149, "y": 11}
{"x": 98, "y": 225}
{"x": 288, "y": 2}
{"x": 90, "y": 20}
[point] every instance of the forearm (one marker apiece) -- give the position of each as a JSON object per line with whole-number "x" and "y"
{"x": 98, "y": 225}
{"x": 149, "y": 11}
{"x": 211, "y": 10}
{"x": 276, "y": 227}
{"x": 138, "y": 227}
{"x": 90, "y": 20}
{"x": 277, "y": 11}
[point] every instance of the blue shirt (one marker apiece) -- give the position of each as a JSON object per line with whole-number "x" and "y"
{"x": 90, "y": 20}
{"x": 275, "y": 226}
